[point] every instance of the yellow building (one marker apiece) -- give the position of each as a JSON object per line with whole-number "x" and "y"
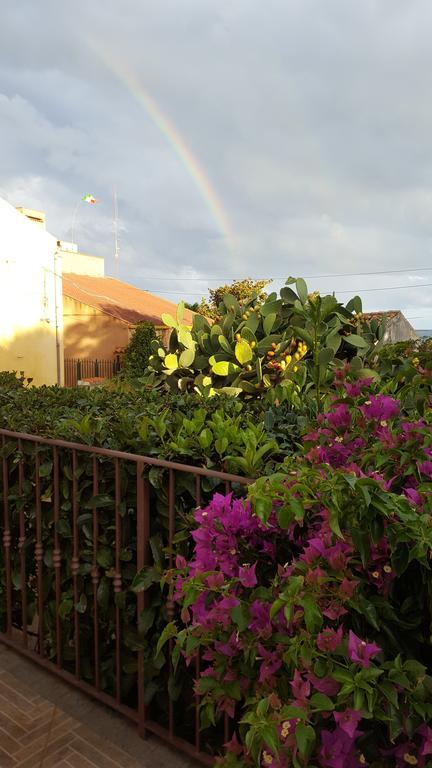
{"x": 31, "y": 308}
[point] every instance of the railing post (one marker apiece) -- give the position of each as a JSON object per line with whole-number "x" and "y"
{"x": 7, "y": 541}
{"x": 143, "y": 537}
{"x": 96, "y": 367}
{"x": 78, "y": 370}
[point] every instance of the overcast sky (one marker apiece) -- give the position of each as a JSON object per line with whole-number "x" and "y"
{"x": 307, "y": 126}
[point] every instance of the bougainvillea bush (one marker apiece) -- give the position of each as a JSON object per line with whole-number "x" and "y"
{"x": 310, "y": 604}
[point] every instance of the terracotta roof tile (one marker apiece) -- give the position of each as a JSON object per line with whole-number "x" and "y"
{"x": 120, "y": 300}
{"x": 390, "y": 314}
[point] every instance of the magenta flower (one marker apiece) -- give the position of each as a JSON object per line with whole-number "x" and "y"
{"x": 329, "y": 639}
{"x": 348, "y": 720}
{"x": 271, "y": 662}
{"x": 324, "y": 684}
{"x": 413, "y": 496}
{"x": 426, "y": 468}
{"x": 380, "y": 407}
{"x": 340, "y": 418}
{"x": 300, "y": 688}
{"x": 247, "y": 575}
{"x": 260, "y": 623}
{"x": 336, "y": 747}
{"x": 334, "y": 611}
{"x": 426, "y": 734}
{"x": 360, "y": 651}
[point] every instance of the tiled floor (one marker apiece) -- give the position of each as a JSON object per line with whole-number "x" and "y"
{"x": 46, "y": 724}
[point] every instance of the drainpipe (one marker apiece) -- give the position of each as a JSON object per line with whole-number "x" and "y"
{"x": 57, "y": 333}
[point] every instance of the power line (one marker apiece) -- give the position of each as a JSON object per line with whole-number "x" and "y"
{"x": 351, "y": 290}
{"x": 306, "y": 277}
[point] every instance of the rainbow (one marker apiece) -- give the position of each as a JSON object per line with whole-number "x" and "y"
{"x": 174, "y": 138}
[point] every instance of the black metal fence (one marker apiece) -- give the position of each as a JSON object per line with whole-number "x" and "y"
{"x": 77, "y": 369}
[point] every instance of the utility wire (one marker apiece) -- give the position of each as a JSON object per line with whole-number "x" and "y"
{"x": 306, "y": 277}
{"x": 351, "y": 290}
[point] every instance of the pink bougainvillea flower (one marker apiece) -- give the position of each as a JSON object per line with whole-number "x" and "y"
{"x": 336, "y": 748}
{"x": 361, "y": 651}
{"x": 181, "y": 561}
{"x": 426, "y": 468}
{"x": 348, "y": 720}
{"x": 354, "y": 389}
{"x": 260, "y": 623}
{"x": 334, "y": 611}
{"x": 215, "y": 580}
{"x": 413, "y": 496}
{"x": 300, "y": 688}
{"x": 233, "y": 746}
{"x": 329, "y": 639}
{"x": 380, "y": 407}
{"x": 347, "y": 588}
{"x": 340, "y": 418}
{"x": 426, "y": 734}
{"x": 247, "y": 575}
{"x": 270, "y": 664}
{"x": 324, "y": 684}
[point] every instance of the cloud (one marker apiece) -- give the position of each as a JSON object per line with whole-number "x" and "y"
{"x": 311, "y": 121}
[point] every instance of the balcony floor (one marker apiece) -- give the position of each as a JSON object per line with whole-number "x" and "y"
{"x": 44, "y": 723}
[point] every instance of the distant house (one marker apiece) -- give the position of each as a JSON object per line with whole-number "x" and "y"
{"x": 100, "y": 313}
{"x": 31, "y": 316}
{"x": 57, "y": 304}
{"x": 397, "y": 327}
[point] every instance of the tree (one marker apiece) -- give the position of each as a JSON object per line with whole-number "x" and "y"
{"x": 241, "y": 289}
{"x": 138, "y": 350}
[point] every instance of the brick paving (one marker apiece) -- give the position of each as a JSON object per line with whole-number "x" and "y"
{"x": 46, "y": 724}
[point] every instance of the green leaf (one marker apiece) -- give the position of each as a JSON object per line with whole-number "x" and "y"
{"x": 168, "y": 320}
{"x": 81, "y": 605}
{"x": 389, "y": 691}
{"x": 169, "y": 632}
{"x": 224, "y": 368}
{"x": 301, "y": 333}
{"x": 355, "y": 305}
{"x": 356, "y": 341}
{"x": 322, "y": 702}
{"x": 305, "y": 737}
{"x": 45, "y": 469}
{"x": 144, "y": 579}
{"x": 224, "y": 343}
{"x": 243, "y": 352}
{"x": 186, "y": 358}
{"x": 325, "y": 356}
{"x": 180, "y": 312}
{"x": 240, "y": 616}
{"x": 269, "y": 322}
{"x": 312, "y": 614}
{"x": 100, "y": 500}
{"x": 171, "y": 361}
{"x": 185, "y": 337}
{"x": 302, "y": 290}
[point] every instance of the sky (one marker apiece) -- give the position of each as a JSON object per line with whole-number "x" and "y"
{"x": 243, "y": 138}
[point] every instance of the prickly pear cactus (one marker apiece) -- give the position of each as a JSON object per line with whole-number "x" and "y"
{"x": 252, "y": 347}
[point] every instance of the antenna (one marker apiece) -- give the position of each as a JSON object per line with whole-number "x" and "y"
{"x": 116, "y": 237}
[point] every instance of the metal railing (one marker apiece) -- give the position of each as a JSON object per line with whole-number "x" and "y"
{"x": 55, "y": 517}
{"x": 76, "y": 369}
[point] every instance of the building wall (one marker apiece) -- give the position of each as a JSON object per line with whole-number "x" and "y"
{"x": 90, "y": 333}
{"x": 31, "y": 322}
{"x": 399, "y": 329}
{"x": 81, "y": 263}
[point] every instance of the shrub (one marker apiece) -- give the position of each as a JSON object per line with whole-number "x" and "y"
{"x": 310, "y": 604}
{"x": 284, "y": 344}
{"x": 139, "y": 349}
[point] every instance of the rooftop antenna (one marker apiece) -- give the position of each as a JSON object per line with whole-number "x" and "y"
{"x": 116, "y": 238}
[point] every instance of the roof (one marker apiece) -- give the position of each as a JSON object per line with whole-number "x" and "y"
{"x": 390, "y": 314}
{"x": 121, "y": 300}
